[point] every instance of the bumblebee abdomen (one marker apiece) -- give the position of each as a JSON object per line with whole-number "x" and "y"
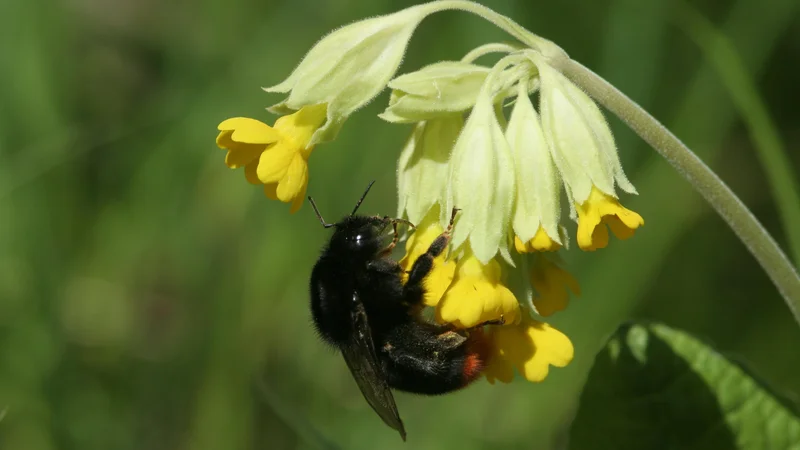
{"x": 423, "y": 359}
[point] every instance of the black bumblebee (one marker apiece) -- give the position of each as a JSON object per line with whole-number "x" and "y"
{"x": 360, "y": 305}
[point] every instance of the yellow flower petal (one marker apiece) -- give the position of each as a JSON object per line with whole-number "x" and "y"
{"x": 293, "y": 184}
{"x": 476, "y": 296}
{"x": 553, "y": 285}
{"x": 298, "y": 128}
{"x": 298, "y": 201}
{"x": 531, "y": 347}
{"x": 250, "y": 131}
{"x": 250, "y": 172}
{"x": 599, "y": 210}
{"x": 270, "y": 191}
{"x": 274, "y": 163}
{"x": 541, "y": 242}
{"x": 441, "y": 275}
{"x": 437, "y": 282}
{"x": 239, "y": 154}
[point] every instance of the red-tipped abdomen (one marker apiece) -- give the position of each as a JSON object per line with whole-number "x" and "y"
{"x": 477, "y": 354}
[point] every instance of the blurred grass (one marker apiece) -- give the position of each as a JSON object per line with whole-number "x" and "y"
{"x": 146, "y": 291}
{"x": 772, "y": 154}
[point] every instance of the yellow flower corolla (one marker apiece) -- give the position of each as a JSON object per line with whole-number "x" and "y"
{"x": 440, "y": 277}
{"x": 477, "y": 295}
{"x": 275, "y": 156}
{"x": 552, "y": 285}
{"x": 541, "y": 242}
{"x": 531, "y": 347}
{"x": 601, "y": 207}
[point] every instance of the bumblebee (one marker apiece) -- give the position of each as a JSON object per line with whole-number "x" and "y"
{"x": 361, "y": 306}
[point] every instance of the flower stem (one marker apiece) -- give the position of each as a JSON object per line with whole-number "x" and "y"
{"x": 704, "y": 180}
{"x": 542, "y": 45}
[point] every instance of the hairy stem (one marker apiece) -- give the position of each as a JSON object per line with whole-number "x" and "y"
{"x": 701, "y": 177}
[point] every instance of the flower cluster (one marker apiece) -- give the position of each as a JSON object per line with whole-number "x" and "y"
{"x": 506, "y": 171}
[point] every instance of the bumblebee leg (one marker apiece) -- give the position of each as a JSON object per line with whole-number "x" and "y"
{"x": 393, "y": 244}
{"x": 451, "y": 339}
{"x": 423, "y": 265}
{"x": 500, "y": 321}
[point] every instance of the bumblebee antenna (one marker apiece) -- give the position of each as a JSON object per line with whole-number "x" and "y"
{"x": 319, "y": 216}
{"x": 362, "y": 197}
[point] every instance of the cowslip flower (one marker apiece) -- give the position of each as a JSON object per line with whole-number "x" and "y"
{"x": 537, "y": 210}
{"x": 506, "y": 175}
{"x": 276, "y": 156}
{"x": 584, "y": 151}
{"x": 347, "y": 68}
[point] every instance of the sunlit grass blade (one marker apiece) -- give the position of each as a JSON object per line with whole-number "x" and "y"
{"x": 723, "y": 56}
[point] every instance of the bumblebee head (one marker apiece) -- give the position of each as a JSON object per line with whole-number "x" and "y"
{"x": 356, "y": 235}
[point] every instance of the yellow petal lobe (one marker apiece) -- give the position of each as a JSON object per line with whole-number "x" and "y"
{"x": 596, "y": 212}
{"x": 553, "y": 286}
{"x": 477, "y": 295}
{"x": 541, "y": 242}
{"x": 531, "y": 347}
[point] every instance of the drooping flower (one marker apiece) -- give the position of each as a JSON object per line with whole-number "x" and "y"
{"x": 277, "y": 156}
{"x": 584, "y": 152}
{"x": 530, "y": 347}
{"x": 505, "y": 176}
{"x": 348, "y": 68}
{"x": 538, "y": 208}
{"x": 603, "y": 208}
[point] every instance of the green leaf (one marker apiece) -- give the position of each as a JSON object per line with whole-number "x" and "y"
{"x": 653, "y": 387}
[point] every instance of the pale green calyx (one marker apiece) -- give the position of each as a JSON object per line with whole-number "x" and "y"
{"x": 578, "y": 136}
{"x": 422, "y": 169}
{"x": 440, "y": 88}
{"x": 481, "y": 183}
{"x": 348, "y": 68}
{"x": 538, "y": 184}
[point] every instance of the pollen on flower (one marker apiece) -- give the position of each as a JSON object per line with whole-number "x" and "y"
{"x": 530, "y": 347}
{"x": 541, "y": 242}
{"x": 599, "y": 210}
{"x": 277, "y": 156}
{"x": 552, "y": 285}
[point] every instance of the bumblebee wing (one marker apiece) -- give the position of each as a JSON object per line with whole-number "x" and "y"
{"x": 360, "y": 356}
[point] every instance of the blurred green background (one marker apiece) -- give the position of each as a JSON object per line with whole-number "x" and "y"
{"x": 151, "y": 299}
